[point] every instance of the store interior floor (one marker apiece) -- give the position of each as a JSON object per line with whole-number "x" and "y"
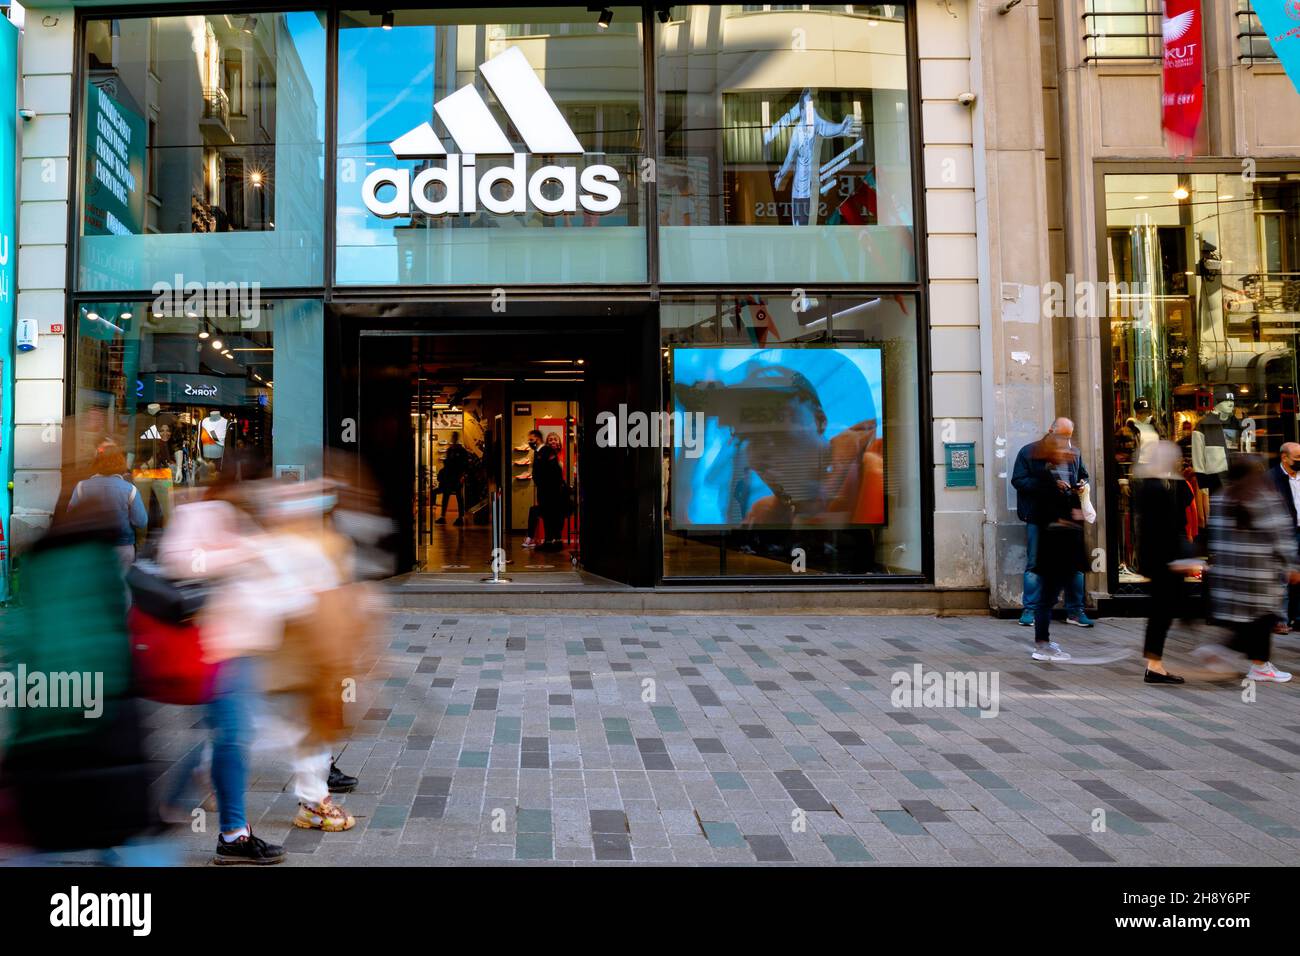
{"x": 467, "y": 547}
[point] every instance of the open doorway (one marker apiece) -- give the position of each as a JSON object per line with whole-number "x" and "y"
{"x": 445, "y": 420}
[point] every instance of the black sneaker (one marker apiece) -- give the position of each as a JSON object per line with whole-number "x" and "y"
{"x": 340, "y": 782}
{"x": 247, "y": 849}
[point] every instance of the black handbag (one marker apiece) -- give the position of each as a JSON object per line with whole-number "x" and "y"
{"x": 164, "y": 598}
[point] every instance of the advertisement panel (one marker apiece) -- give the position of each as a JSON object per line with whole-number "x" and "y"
{"x": 793, "y": 438}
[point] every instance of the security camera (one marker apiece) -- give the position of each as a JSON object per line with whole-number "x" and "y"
{"x": 966, "y": 99}
{"x": 27, "y": 114}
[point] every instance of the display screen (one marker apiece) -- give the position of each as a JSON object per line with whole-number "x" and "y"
{"x": 792, "y": 438}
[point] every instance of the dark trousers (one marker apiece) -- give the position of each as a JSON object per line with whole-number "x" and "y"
{"x": 553, "y": 520}
{"x": 1254, "y": 638}
{"x": 1293, "y": 593}
{"x": 460, "y": 502}
{"x": 534, "y": 516}
{"x": 1052, "y": 582}
{"x": 1166, "y": 592}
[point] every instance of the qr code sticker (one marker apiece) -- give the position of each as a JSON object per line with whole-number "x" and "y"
{"x": 961, "y": 459}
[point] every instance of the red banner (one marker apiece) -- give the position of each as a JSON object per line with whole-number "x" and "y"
{"x": 1184, "y": 78}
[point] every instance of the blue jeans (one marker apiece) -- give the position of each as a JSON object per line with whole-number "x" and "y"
{"x": 1034, "y": 584}
{"x": 229, "y": 717}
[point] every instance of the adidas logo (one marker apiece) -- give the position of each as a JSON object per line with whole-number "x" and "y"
{"x": 469, "y": 122}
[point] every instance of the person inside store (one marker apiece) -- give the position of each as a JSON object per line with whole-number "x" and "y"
{"x": 1074, "y": 473}
{"x": 535, "y": 441}
{"x": 552, "y": 492}
{"x": 451, "y": 478}
{"x": 1286, "y": 479}
{"x": 157, "y": 463}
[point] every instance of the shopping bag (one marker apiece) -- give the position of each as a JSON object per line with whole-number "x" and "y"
{"x": 167, "y": 660}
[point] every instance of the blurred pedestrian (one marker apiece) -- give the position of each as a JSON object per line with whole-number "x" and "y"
{"x": 1286, "y": 478}
{"x": 75, "y": 762}
{"x": 111, "y": 497}
{"x": 217, "y": 539}
{"x": 1250, "y": 540}
{"x": 1058, "y": 516}
{"x": 1027, "y": 505}
{"x": 1161, "y": 503}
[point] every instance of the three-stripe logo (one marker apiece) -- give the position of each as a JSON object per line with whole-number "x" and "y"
{"x": 474, "y": 131}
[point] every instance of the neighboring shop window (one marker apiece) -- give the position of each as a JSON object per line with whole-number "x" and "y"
{"x": 189, "y": 389}
{"x": 1204, "y": 311}
{"x": 794, "y": 445}
{"x": 171, "y": 155}
{"x": 784, "y": 144}
{"x": 460, "y": 137}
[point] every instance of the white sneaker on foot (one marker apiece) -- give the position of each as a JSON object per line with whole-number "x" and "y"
{"x": 1267, "y": 672}
{"x": 1049, "y": 651}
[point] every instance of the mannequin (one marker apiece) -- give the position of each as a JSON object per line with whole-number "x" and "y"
{"x": 212, "y": 437}
{"x": 156, "y": 462}
{"x": 802, "y": 155}
{"x": 1216, "y": 436}
{"x": 1144, "y": 431}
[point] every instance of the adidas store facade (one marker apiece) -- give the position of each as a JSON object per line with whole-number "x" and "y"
{"x": 686, "y": 245}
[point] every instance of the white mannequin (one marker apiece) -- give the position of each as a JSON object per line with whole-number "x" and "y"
{"x": 215, "y": 426}
{"x": 1144, "y": 430}
{"x": 1212, "y": 459}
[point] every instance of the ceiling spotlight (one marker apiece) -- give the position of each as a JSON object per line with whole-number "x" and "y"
{"x": 203, "y": 334}
{"x": 250, "y": 24}
{"x": 227, "y": 354}
{"x": 605, "y": 19}
{"x": 386, "y": 20}
{"x": 216, "y": 344}
{"x": 93, "y": 316}
{"x": 126, "y": 315}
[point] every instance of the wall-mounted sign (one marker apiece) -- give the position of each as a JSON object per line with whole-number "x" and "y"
{"x": 1281, "y": 21}
{"x": 8, "y": 200}
{"x": 115, "y": 145}
{"x": 179, "y": 388}
{"x": 524, "y": 409}
{"x": 1184, "y": 80}
{"x": 960, "y": 462}
{"x": 506, "y": 189}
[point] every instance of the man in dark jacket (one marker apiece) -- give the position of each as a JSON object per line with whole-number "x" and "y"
{"x": 1030, "y": 507}
{"x": 1286, "y": 478}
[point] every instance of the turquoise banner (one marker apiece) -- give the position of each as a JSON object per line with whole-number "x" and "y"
{"x": 8, "y": 252}
{"x": 1281, "y": 21}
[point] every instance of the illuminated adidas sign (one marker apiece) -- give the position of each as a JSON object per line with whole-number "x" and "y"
{"x": 460, "y": 188}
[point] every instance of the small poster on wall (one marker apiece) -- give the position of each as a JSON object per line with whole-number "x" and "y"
{"x": 447, "y": 420}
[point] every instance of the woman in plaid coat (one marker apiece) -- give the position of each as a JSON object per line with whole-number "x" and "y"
{"x": 1250, "y": 542}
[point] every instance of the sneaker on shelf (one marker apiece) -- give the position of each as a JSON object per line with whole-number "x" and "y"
{"x": 1267, "y": 672}
{"x": 340, "y": 782}
{"x": 1080, "y": 620}
{"x": 525, "y": 476}
{"x": 1027, "y": 617}
{"x": 1049, "y": 651}
{"x": 523, "y": 461}
{"x": 248, "y": 850}
{"x": 523, "y": 447}
{"x": 326, "y": 815}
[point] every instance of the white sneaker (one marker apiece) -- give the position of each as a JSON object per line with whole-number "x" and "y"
{"x": 1050, "y": 651}
{"x": 1267, "y": 672}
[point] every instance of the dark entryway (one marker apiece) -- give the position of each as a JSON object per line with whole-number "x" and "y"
{"x": 425, "y": 384}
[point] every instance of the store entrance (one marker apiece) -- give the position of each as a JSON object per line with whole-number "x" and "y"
{"x": 452, "y": 420}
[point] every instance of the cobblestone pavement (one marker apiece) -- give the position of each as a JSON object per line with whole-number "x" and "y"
{"x": 577, "y": 739}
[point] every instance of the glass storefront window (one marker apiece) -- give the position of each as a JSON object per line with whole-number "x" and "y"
{"x": 461, "y": 137}
{"x": 783, "y": 138}
{"x": 202, "y": 148}
{"x": 1204, "y": 311}
{"x": 191, "y": 388}
{"x": 797, "y": 448}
